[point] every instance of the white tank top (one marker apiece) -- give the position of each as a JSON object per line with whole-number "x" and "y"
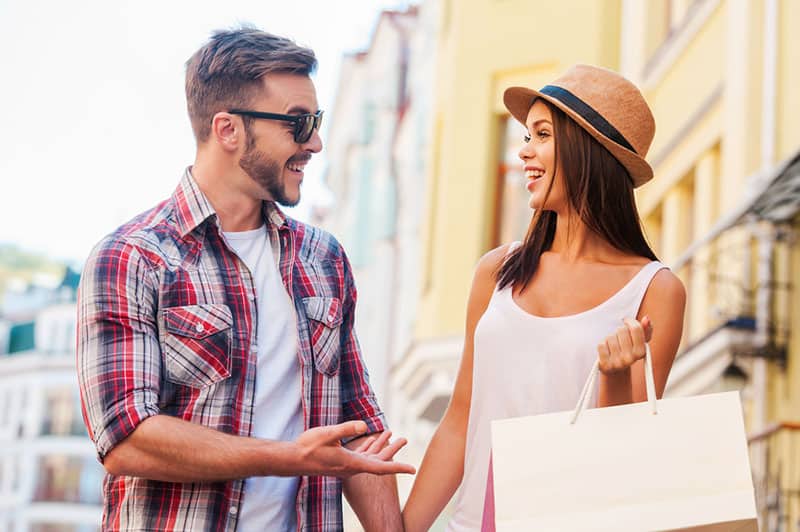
{"x": 527, "y": 365}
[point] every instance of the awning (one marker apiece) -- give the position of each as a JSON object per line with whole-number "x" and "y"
{"x": 774, "y": 195}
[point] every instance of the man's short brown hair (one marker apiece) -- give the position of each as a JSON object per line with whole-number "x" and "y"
{"x": 226, "y": 72}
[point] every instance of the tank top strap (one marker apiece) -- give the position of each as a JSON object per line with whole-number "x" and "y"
{"x": 642, "y": 283}
{"x": 514, "y": 245}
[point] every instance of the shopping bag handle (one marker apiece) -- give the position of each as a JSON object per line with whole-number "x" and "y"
{"x": 649, "y": 381}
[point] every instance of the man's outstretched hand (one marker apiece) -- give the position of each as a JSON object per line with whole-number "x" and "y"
{"x": 321, "y": 452}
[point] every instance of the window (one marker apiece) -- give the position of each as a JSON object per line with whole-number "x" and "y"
{"x": 21, "y": 337}
{"x": 62, "y": 527}
{"x": 368, "y": 130}
{"x": 653, "y": 228}
{"x": 62, "y": 415}
{"x": 512, "y": 213}
{"x": 362, "y": 228}
{"x": 68, "y": 479}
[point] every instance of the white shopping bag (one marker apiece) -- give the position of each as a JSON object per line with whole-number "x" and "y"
{"x": 671, "y": 464}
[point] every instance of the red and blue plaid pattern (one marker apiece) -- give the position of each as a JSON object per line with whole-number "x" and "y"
{"x": 165, "y": 327}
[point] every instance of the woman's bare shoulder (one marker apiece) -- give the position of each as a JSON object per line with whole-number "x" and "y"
{"x": 667, "y": 286}
{"x": 488, "y": 266}
{"x": 490, "y": 263}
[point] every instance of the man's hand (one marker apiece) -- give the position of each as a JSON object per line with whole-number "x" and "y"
{"x": 321, "y": 452}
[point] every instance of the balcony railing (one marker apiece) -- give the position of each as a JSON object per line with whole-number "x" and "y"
{"x": 775, "y": 459}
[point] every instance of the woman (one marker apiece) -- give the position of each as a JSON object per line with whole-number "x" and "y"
{"x": 583, "y": 285}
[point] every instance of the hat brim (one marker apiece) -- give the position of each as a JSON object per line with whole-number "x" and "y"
{"x": 518, "y": 100}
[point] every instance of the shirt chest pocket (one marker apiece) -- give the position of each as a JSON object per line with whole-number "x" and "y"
{"x": 324, "y": 320}
{"x": 197, "y": 344}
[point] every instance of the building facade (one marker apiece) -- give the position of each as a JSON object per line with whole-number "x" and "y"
{"x": 378, "y": 148}
{"x": 50, "y": 479}
{"x": 474, "y": 190}
{"x": 370, "y": 107}
{"x": 721, "y": 78}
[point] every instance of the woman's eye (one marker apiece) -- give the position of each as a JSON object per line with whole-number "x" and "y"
{"x": 543, "y": 134}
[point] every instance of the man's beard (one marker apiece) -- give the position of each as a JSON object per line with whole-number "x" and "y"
{"x": 266, "y": 172}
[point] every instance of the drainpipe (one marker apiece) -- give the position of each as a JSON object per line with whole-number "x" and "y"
{"x": 765, "y": 232}
{"x": 766, "y": 246}
{"x": 394, "y": 176}
{"x": 786, "y": 234}
{"x": 769, "y": 83}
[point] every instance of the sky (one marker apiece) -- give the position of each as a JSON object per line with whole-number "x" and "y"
{"x": 94, "y": 116}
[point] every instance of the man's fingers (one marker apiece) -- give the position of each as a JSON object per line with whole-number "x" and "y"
{"x": 335, "y": 433}
{"x": 380, "y": 442}
{"x": 390, "y": 450}
{"x": 365, "y": 445}
{"x": 364, "y": 464}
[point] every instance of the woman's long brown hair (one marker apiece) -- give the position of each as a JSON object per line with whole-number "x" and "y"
{"x": 598, "y": 188}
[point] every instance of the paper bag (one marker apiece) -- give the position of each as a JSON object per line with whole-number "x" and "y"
{"x": 671, "y": 464}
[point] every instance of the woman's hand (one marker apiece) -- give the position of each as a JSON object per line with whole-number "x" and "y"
{"x": 620, "y": 350}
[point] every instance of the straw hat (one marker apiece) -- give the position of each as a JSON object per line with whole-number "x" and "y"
{"x": 609, "y": 107}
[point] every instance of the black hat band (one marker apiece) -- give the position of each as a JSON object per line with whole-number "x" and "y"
{"x": 587, "y": 113}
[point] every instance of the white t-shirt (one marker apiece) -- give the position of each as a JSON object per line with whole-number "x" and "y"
{"x": 269, "y": 502}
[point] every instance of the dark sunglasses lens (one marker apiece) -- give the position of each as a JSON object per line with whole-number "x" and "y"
{"x": 304, "y": 129}
{"x": 306, "y": 126}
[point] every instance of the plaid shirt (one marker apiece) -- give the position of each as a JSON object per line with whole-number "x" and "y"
{"x": 165, "y": 327}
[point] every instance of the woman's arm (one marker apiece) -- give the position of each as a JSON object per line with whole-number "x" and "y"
{"x": 443, "y": 465}
{"x": 660, "y": 322}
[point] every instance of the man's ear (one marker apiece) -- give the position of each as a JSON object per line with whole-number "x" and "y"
{"x": 227, "y": 131}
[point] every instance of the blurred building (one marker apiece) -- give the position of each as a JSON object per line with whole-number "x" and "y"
{"x": 371, "y": 101}
{"x": 50, "y": 479}
{"x": 376, "y": 146}
{"x": 721, "y": 77}
{"x": 379, "y": 146}
{"x": 475, "y": 193}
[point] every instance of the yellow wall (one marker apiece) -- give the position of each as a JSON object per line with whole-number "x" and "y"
{"x": 486, "y": 45}
{"x": 678, "y": 95}
{"x": 788, "y": 101}
{"x": 706, "y": 97}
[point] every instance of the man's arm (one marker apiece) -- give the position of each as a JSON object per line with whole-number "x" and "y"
{"x": 119, "y": 361}
{"x": 173, "y": 450}
{"x": 374, "y": 498}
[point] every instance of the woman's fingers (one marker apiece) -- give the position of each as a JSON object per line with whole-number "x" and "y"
{"x": 603, "y": 357}
{"x": 647, "y": 325}
{"x": 637, "y": 335}
{"x": 625, "y": 346}
{"x": 614, "y": 350}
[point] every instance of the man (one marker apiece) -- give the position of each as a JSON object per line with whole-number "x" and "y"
{"x": 218, "y": 365}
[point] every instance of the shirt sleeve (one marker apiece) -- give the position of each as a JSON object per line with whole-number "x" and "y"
{"x": 358, "y": 398}
{"x": 118, "y": 352}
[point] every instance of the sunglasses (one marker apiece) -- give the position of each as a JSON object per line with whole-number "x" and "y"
{"x": 304, "y": 125}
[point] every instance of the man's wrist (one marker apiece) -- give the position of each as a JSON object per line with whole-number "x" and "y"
{"x": 279, "y": 458}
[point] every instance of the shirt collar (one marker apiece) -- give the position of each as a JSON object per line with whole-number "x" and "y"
{"x": 192, "y": 207}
